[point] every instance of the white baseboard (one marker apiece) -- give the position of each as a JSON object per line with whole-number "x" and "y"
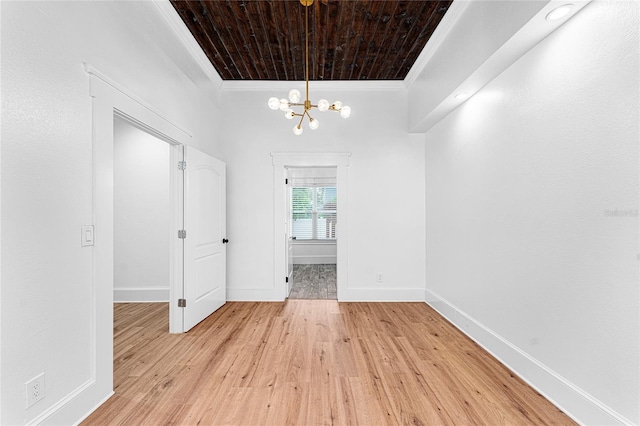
{"x": 254, "y": 295}
{"x": 140, "y": 294}
{"x": 73, "y": 408}
{"x": 381, "y": 294}
{"x": 102, "y": 401}
{"x": 348, "y": 295}
{"x": 575, "y": 402}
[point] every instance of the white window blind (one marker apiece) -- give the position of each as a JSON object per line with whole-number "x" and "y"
{"x": 314, "y": 213}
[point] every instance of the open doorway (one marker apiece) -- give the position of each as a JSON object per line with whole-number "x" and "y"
{"x": 142, "y": 252}
{"x": 142, "y": 219}
{"x": 109, "y": 99}
{"x": 282, "y": 163}
{"x": 157, "y": 199}
{"x": 312, "y": 212}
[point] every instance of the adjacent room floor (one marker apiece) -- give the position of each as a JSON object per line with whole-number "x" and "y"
{"x": 314, "y": 282}
{"x": 310, "y": 362}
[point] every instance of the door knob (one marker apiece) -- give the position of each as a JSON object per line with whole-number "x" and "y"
{"x": 225, "y": 241}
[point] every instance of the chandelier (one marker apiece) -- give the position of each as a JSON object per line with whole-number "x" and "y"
{"x": 294, "y": 95}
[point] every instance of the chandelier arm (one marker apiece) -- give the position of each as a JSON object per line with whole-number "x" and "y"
{"x": 323, "y": 104}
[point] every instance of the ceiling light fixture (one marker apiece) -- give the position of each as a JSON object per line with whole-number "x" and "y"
{"x": 462, "y": 96}
{"x": 294, "y": 95}
{"x": 559, "y": 12}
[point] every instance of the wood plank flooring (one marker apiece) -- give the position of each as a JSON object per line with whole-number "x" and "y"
{"x": 314, "y": 282}
{"x": 311, "y": 362}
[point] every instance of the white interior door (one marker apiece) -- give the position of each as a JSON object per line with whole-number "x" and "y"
{"x": 204, "y": 244}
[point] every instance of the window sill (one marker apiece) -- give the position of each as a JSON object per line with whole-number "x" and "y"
{"x": 313, "y": 242}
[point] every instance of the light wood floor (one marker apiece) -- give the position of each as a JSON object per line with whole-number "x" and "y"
{"x": 311, "y": 362}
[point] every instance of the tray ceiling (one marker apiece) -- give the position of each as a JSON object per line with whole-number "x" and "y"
{"x": 348, "y": 39}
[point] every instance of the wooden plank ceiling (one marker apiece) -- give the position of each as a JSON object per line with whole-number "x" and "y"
{"x": 348, "y": 40}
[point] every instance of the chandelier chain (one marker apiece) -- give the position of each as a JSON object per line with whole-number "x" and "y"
{"x": 294, "y": 95}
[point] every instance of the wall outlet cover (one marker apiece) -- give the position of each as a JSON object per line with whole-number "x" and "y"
{"x": 35, "y": 390}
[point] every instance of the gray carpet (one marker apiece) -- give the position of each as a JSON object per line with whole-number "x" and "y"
{"x": 314, "y": 282}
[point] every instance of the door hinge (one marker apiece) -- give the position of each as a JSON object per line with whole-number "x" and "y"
{"x": 182, "y": 165}
{"x": 182, "y": 234}
{"x": 286, "y": 181}
{"x": 182, "y": 303}
{"x": 286, "y": 280}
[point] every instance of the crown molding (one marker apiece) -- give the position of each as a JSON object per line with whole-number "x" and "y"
{"x": 351, "y": 86}
{"x": 181, "y": 31}
{"x": 310, "y": 159}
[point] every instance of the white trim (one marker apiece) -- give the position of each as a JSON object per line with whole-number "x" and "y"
{"x": 95, "y": 407}
{"x": 141, "y": 294}
{"x": 181, "y": 31}
{"x": 314, "y": 86}
{"x": 382, "y": 294}
{"x": 176, "y": 178}
{"x": 254, "y": 295}
{"x": 109, "y": 98}
{"x": 280, "y": 162}
{"x": 315, "y": 159}
{"x": 64, "y": 411}
{"x": 142, "y": 126}
{"x": 571, "y": 399}
{"x": 168, "y": 136}
{"x": 314, "y": 242}
{"x": 176, "y": 253}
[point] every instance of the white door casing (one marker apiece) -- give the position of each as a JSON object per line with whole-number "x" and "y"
{"x": 109, "y": 98}
{"x": 287, "y": 235}
{"x": 205, "y": 226}
{"x": 281, "y": 161}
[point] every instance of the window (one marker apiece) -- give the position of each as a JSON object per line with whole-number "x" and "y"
{"x": 314, "y": 213}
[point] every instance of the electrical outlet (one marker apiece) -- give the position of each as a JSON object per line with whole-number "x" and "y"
{"x": 378, "y": 277}
{"x": 35, "y": 390}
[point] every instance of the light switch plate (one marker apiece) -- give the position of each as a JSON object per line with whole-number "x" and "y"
{"x": 87, "y": 235}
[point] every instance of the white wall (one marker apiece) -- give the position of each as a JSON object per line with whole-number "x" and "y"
{"x": 47, "y": 311}
{"x": 314, "y": 253}
{"x": 480, "y": 29}
{"x": 386, "y": 170}
{"x": 525, "y": 250}
{"x": 545, "y": 269}
{"x": 141, "y": 235}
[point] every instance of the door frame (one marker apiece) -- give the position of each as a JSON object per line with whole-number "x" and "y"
{"x": 281, "y": 161}
{"x": 109, "y": 99}
{"x": 287, "y": 230}
{"x": 176, "y": 220}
